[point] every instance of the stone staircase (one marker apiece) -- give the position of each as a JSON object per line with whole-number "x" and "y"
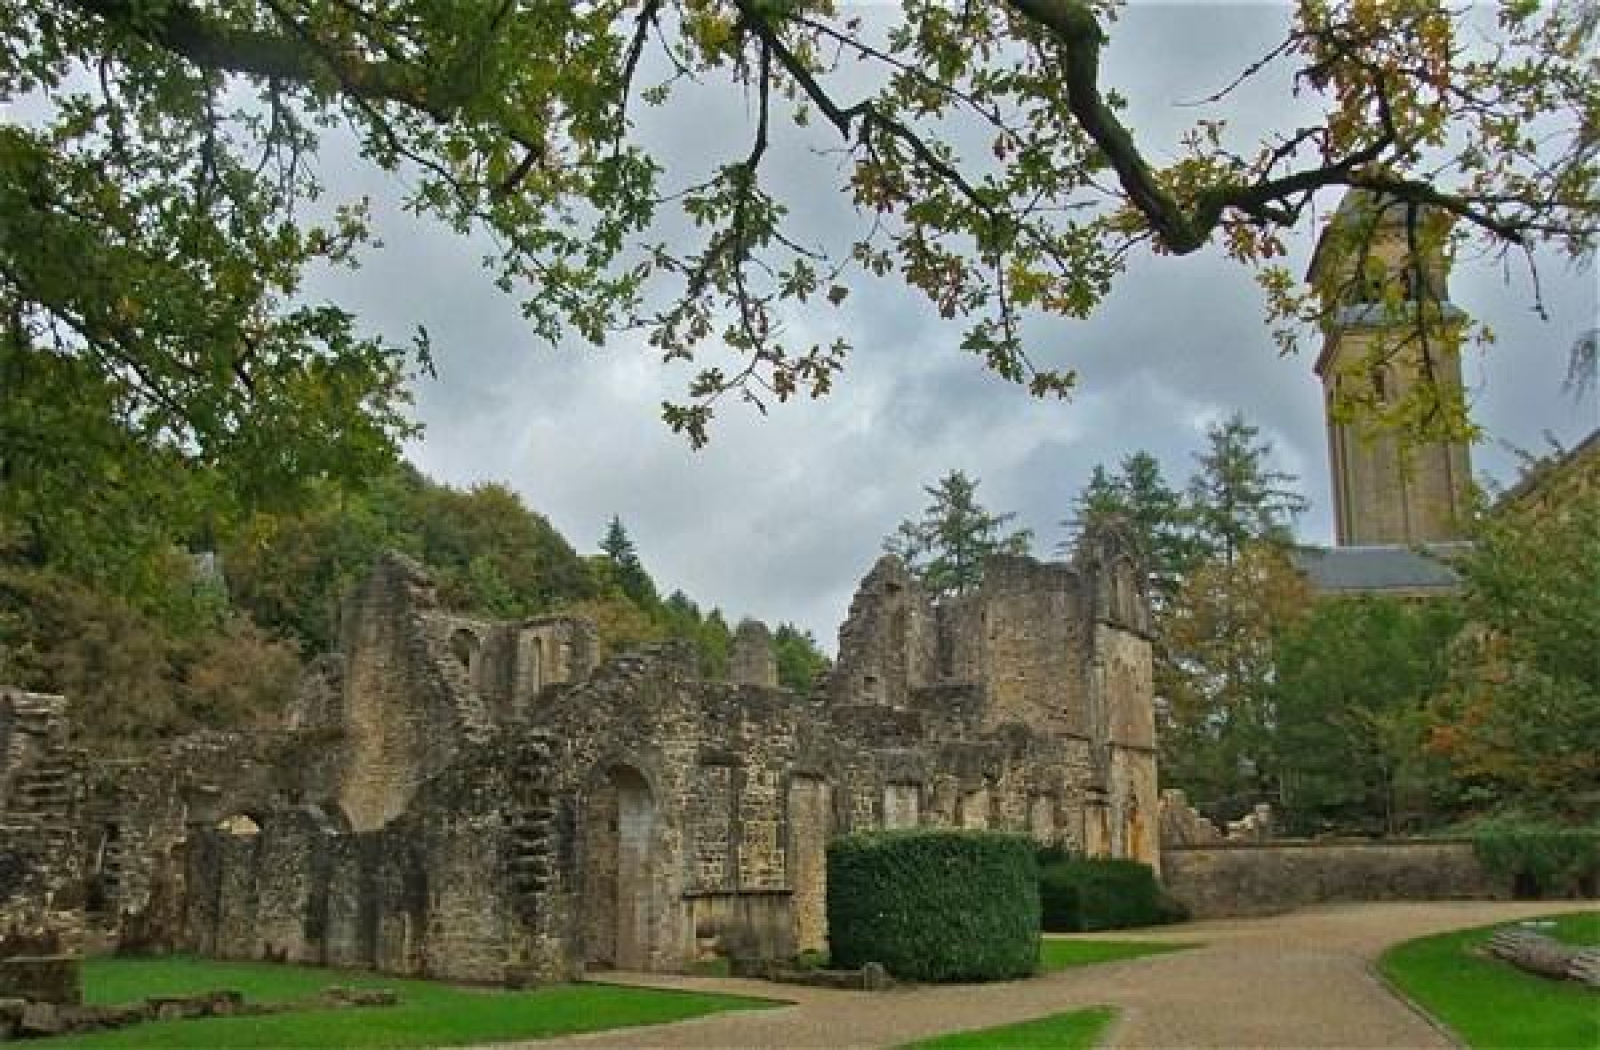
{"x": 530, "y": 823}
{"x": 530, "y": 853}
{"x": 48, "y": 788}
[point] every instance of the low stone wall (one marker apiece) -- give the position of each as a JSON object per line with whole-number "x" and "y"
{"x": 1232, "y": 879}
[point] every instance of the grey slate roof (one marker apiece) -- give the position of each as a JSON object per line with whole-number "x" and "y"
{"x": 1380, "y": 569}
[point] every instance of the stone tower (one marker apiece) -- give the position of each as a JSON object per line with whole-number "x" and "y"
{"x": 1388, "y": 490}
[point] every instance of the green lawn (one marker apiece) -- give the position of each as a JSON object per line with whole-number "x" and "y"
{"x": 429, "y": 1014}
{"x": 1058, "y": 954}
{"x": 1489, "y": 1003}
{"x": 1076, "y": 1029}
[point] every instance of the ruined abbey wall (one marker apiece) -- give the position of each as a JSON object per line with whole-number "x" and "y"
{"x": 41, "y": 852}
{"x": 452, "y": 797}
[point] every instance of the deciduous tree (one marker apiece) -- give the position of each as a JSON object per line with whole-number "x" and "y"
{"x": 800, "y": 660}
{"x": 1351, "y": 688}
{"x": 1520, "y": 721}
{"x": 156, "y": 215}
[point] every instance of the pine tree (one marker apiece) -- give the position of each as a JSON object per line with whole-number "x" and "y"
{"x": 1140, "y": 500}
{"x": 631, "y": 576}
{"x": 946, "y": 549}
{"x": 1235, "y": 498}
{"x": 1215, "y": 668}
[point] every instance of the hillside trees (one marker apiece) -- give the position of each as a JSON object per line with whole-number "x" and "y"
{"x": 158, "y": 212}
{"x": 947, "y": 546}
{"x": 488, "y": 553}
{"x": 135, "y": 679}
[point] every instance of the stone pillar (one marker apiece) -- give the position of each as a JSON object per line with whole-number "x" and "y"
{"x": 752, "y": 661}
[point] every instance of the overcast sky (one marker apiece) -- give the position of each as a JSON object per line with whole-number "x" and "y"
{"x": 781, "y": 516}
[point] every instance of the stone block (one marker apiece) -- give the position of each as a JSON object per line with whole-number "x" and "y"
{"x": 41, "y": 1019}
{"x": 339, "y": 995}
{"x": 1585, "y": 967}
{"x": 11, "y": 1017}
{"x": 42, "y": 978}
{"x": 222, "y": 1003}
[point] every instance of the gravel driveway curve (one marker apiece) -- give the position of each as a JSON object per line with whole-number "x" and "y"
{"x": 1299, "y": 980}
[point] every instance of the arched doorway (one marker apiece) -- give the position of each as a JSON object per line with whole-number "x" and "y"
{"x": 619, "y": 907}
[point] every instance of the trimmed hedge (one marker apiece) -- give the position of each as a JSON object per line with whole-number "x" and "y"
{"x": 1101, "y": 894}
{"x": 934, "y": 905}
{"x": 1541, "y": 860}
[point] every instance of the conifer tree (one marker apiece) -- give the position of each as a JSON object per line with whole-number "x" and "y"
{"x": 947, "y": 547}
{"x": 631, "y": 576}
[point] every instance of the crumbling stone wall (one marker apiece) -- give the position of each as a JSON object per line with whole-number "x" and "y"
{"x": 481, "y": 801}
{"x": 418, "y": 682}
{"x": 888, "y": 645}
{"x": 752, "y": 660}
{"x": 41, "y": 787}
{"x": 443, "y": 891}
{"x": 137, "y": 818}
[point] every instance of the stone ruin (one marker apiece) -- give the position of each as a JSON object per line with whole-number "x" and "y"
{"x": 41, "y": 849}
{"x": 457, "y": 798}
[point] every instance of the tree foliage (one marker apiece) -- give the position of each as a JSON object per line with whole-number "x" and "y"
{"x": 1221, "y": 589}
{"x": 1155, "y": 514}
{"x": 1218, "y": 720}
{"x": 488, "y": 553}
{"x": 133, "y": 679}
{"x": 630, "y": 574}
{"x": 159, "y": 212}
{"x": 947, "y": 547}
{"x": 1520, "y": 721}
{"x": 801, "y": 661}
{"x": 1352, "y": 684}
{"x": 1236, "y": 497}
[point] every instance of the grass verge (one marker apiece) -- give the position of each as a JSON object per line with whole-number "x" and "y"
{"x": 1076, "y": 1029}
{"x": 429, "y": 1014}
{"x": 1488, "y": 1003}
{"x": 1058, "y": 954}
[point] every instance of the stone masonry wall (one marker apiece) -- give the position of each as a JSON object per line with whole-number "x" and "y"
{"x": 752, "y": 660}
{"x": 498, "y": 808}
{"x": 1035, "y": 646}
{"x": 444, "y": 891}
{"x": 42, "y": 887}
{"x": 888, "y": 644}
{"x": 1228, "y": 880}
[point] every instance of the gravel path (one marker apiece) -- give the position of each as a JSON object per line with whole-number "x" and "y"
{"x": 1297, "y": 980}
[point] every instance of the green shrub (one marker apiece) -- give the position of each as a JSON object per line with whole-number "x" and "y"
{"x": 1102, "y": 894}
{"x": 934, "y": 905}
{"x": 1540, "y": 859}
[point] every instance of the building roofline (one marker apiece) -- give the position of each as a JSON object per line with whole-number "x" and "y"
{"x": 1545, "y": 466}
